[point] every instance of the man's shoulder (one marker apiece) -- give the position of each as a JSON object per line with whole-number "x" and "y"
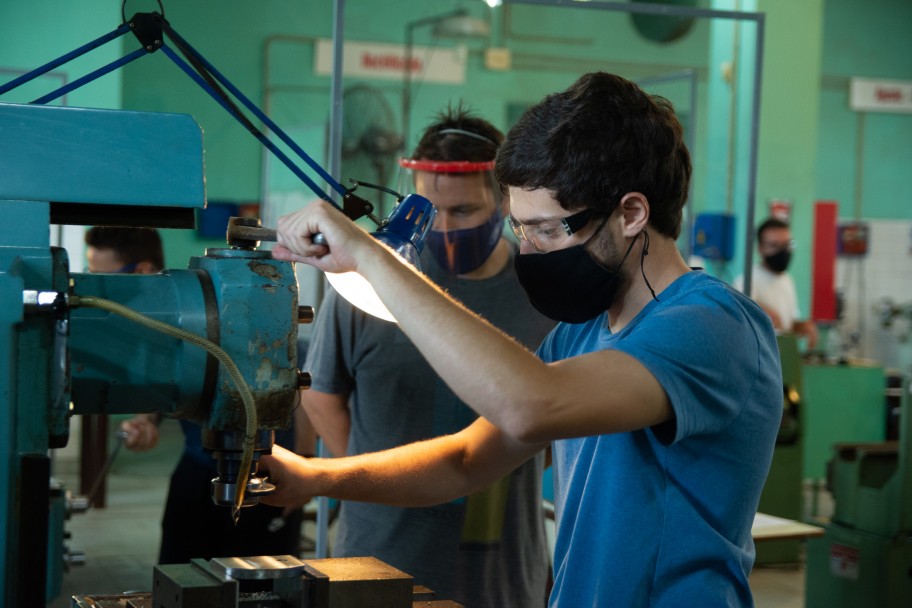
{"x": 698, "y": 299}
{"x": 697, "y": 286}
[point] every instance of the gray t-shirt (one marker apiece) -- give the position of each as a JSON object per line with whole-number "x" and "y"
{"x": 487, "y": 549}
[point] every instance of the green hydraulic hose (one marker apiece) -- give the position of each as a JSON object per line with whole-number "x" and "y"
{"x": 218, "y": 353}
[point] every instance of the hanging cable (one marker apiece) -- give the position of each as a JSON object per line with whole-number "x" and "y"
{"x": 643, "y": 255}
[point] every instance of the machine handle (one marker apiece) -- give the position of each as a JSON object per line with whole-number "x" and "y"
{"x": 240, "y": 234}
{"x": 250, "y": 233}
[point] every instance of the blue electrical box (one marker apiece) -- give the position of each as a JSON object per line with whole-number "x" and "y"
{"x": 714, "y": 236}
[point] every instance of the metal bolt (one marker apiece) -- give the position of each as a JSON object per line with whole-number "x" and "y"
{"x": 304, "y": 379}
{"x": 305, "y": 314}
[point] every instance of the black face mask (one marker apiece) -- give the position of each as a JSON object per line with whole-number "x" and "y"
{"x": 568, "y": 285}
{"x": 778, "y": 261}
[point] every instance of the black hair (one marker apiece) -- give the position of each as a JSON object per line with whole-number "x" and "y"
{"x": 593, "y": 143}
{"x": 132, "y": 245}
{"x": 443, "y": 141}
{"x": 769, "y": 224}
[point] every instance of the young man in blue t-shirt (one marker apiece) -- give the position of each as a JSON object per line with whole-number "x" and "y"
{"x": 659, "y": 390}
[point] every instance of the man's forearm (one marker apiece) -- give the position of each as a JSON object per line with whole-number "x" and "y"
{"x": 424, "y": 473}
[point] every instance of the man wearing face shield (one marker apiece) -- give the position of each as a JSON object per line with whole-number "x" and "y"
{"x": 372, "y": 389}
{"x": 659, "y": 391}
{"x": 772, "y": 286}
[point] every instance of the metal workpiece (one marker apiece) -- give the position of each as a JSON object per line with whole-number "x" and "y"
{"x": 364, "y": 581}
{"x": 281, "y": 581}
{"x": 259, "y": 567}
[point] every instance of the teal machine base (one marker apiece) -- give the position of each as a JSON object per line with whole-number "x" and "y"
{"x": 849, "y": 567}
{"x": 782, "y": 495}
{"x": 865, "y": 556}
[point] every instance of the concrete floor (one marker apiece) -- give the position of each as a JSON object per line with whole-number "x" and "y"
{"x": 121, "y": 540}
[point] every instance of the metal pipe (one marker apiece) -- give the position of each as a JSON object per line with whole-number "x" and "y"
{"x": 335, "y": 166}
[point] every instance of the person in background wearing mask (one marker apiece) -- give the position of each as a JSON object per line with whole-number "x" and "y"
{"x": 772, "y": 286}
{"x": 192, "y": 526}
{"x": 659, "y": 390}
{"x": 372, "y": 390}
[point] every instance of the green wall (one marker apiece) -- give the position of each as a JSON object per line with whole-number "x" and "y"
{"x": 789, "y": 122}
{"x": 35, "y": 32}
{"x": 808, "y": 137}
{"x": 863, "y": 159}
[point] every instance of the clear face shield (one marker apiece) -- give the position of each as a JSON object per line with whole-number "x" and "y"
{"x": 469, "y": 204}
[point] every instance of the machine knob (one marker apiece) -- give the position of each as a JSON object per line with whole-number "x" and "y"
{"x": 305, "y": 314}
{"x": 77, "y": 503}
{"x": 74, "y": 558}
{"x": 304, "y": 379}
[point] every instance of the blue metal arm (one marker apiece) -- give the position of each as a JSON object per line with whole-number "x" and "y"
{"x": 123, "y": 29}
{"x": 205, "y": 75}
{"x": 184, "y": 45}
{"x": 90, "y": 77}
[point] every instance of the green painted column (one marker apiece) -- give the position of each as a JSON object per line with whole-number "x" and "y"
{"x": 789, "y": 121}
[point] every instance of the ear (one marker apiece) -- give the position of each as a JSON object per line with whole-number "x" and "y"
{"x": 145, "y": 267}
{"x": 634, "y": 207}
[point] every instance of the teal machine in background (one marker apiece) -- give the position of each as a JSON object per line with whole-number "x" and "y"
{"x": 782, "y": 495}
{"x": 865, "y": 556}
{"x": 60, "y": 357}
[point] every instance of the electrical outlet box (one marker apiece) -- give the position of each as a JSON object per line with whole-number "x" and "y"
{"x": 852, "y": 239}
{"x": 714, "y": 236}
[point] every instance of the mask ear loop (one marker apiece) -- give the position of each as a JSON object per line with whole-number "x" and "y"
{"x": 643, "y": 255}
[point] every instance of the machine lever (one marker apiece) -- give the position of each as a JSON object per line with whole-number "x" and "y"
{"x": 120, "y": 437}
{"x": 250, "y": 233}
{"x": 238, "y": 233}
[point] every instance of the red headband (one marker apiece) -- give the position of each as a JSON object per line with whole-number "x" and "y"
{"x": 447, "y": 166}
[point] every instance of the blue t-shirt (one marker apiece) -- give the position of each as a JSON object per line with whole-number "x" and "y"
{"x": 662, "y": 516}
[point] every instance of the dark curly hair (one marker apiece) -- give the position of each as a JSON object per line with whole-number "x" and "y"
{"x": 593, "y": 143}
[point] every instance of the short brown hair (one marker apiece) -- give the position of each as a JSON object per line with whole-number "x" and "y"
{"x": 132, "y": 245}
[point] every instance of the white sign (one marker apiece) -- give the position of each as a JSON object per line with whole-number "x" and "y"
{"x": 844, "y": 561}
{"x": 387, "y": 61}
{"x": 868, "y": 95}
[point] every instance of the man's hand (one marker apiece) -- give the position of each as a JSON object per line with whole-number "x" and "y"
{"x": 142, "y": 432}
{"x": 773, "y": 315}
{"x": 292, "y": 477}
{"x": 808, "y": 329}
{"x": 345, "y": 240}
